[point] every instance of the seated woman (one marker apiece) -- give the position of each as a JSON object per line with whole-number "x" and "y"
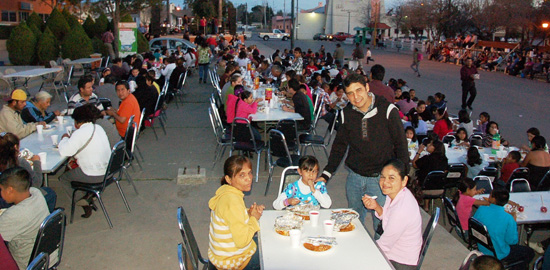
{"x": 537, "y": 160}
{"x": 232, "y": 225}
{"x": 406, "y": 104}
{"x": 461, "y": 138}
{"x": 89, "y": 145}
{"x": 402, "y": 238}
{"x": 531, "y": 133}
{"x": 492, "y": 129}
{"x": 465, "y": 122}
{"x": 434, "y": 161}
{"x": 443, "y": 125}
{"x": 474, "y": 163}
{"x": 35, "y": 110}
{"x": 417, "y": 123}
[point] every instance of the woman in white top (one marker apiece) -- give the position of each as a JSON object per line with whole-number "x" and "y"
{"x": 90, "y": 147}
{"x": 242, "y": 60}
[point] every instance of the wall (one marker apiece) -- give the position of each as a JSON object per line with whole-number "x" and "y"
{"x": 12, "y": 5}
{"x": 309, "y": 24}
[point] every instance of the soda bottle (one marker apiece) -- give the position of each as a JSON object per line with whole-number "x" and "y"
{"x": 496, "y": 143}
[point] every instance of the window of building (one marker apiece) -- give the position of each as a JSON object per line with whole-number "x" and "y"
{"x": 9, "y": 16}
{"x": 23, "y": 16}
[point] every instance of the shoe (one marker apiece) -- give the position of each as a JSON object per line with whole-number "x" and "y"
{"x": 87, "y": 211}
{"x": 418, "y": 75}
{"x": 536, "y": 246}
{"x": 86, "y": 200}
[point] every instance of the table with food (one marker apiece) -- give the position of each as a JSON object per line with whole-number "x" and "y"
{"x": 306, "y": 237}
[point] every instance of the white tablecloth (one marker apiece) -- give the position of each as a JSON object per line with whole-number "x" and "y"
{"x": 33, "y": 73}
{"x": 531, "y": 203}
{"x": 355, "y": 249}
{"x": 275, "y": 115}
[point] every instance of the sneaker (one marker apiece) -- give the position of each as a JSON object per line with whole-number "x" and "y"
{"x": 536, "y": 246}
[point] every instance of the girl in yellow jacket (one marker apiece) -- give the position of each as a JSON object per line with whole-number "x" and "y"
{"x": 232, "y": 226}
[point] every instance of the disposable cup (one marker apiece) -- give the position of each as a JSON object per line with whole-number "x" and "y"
{"x": 329, "y": 227}
{"x": 267, "y": 109}
{"x": 43, "y": 158}
{"x": 295, "y": 236}
{"x": 39, "y": 129}
{"x": 55, "y": 139}
{"x": 60, "y": 119}
{"x": 314, "y": 218}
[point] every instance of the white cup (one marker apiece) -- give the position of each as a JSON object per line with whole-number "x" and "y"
{"x": 55, "y": 139}
{"x": 329, "y": 227}
{"x": 266, "y": 109}
{"x": 314, "y": 218}
{"x": 60, "y": 119}
{"x": 486, "y": 157}
{"x": 69, "y": 130}
{"x": 295, "y": 236}
{"x": 39, "y": 129}
{"x": 43, "y": 158}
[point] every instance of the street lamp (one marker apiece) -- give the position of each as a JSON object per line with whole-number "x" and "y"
{"x": 545, "y": 25}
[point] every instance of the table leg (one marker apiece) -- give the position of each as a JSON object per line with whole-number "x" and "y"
{"x": 520, "y": 236}
{"x": 45, "y": 182}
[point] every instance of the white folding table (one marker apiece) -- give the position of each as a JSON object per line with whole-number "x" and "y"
{"x": 43, "y": 143}
{"x": 354, "y": 250}
{"x": 274, "y": 115}
{"x": 29, "y": 74}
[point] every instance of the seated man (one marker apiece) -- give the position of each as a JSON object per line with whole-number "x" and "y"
{"x": 128, "y": 107}
{"x": 300, "y": 103}
{"x": 19, "y": 224}
{"x": 10, "y": 116}
{"x": 35, "y": 110}
{"x": 85, "y": 95}
{"x": 117, "y": 70}
{"x": 502, "y": 228}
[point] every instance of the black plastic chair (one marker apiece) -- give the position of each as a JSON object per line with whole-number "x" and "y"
{"x": 448, "y": 138}
{"x": 278, "y": 148}
{"x": 538, "y": 263}
{"x": 290, "y": 129}
{"x": 427, "y": 236}
{"x": 311, "y": 140}
{"x": 222, "y": 139}
{"x": 435, "y": 183}
{"x": 476, "y": 140}
{"x": 51, "y": 237}
{"x": 157, "y": 114}
{"x": 490, "y": 172}
{"x": 455, "y": 172}
{"x": 470, "y": 259}
{"x": 242, "y": 139}
{"x": 190, "y": 242}
{"x": 484, "y": 182}
{"x": 130, "y": 141}
{"x": 113, "y": 174}
{"x": 40, "y": 262}
{"x": 521, "y": 172}
{"x": 454, "y": 221}
{"x": 520, "y": 185}
{"x": 544, "y": 184}
{"x": 479, "y": 234}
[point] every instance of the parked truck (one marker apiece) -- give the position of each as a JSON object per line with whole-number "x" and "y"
{"x": 275, "y": 34}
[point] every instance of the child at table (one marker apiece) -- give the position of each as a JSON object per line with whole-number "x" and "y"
{"x": 464, "y": 200}
{"x": 305, "y": 190}
{"x": 484, "y": 118}
{"x": 509, "y": 164}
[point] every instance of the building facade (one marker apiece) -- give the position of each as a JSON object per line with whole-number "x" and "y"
{"x": 15, "y": 11}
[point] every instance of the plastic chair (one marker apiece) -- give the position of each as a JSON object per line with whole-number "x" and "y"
{"x": 435, "y": 185}
{"x": 5, "y": 87}
{"x": 455, "y": 172}
{"x": 289, "y": 175}
{"x": 222, "y": 139}
{"x": 183, "y": 259}
{"x": 113, "y": 174}
{"x": 310, "y": 140}
{"x": 476, "y": 140}
{"x": 289, "y": 128}
{"x": 454, "y": 221}
{"x": 156, "y": 115}
{"x": 130, "y": 140}
{"x": 448, "y": 138}
{"x": 479, "y": 234}
{"x": 41, "y": 262}
{"x": 427, "y": 236}
{"x": 139, "y": 129}
{"x": 538, "y": 263}
{"x": 56, "y": 84}
{"x": 190, "y": 242}
{"x": 544, "y": 184}
{"x": 242, "y": 139}
{"x": 50, "y": 238}
{"x": 278, "y": 148}
{"x": 490, "y": 172}
{"x": 520, "y": 185}
{"x": 483, "y": 182}
{"x": 521, "y": 172}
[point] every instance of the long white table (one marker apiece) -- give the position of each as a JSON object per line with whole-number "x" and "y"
{"x": 355, "y": 249}
{"x": 275, "y": 115}
{"x": 31, "y": 73}
{"x": 43, "y": 143}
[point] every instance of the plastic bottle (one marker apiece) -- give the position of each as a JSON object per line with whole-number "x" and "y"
{"x": 496, "y": 143}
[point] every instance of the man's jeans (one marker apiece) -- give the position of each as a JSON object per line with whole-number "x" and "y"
{"x": 356, "y": 187}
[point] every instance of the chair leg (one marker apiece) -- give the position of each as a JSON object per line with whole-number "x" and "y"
{"x": 269, "y": 179}
{"x": 129, "y": 179}
{"x": 259, "y": 154}
{"x": 153, "y": 127}
{"x": 103, "y": 209}
{"x": 216, "y": 153}
{"x": 73, "y": 204}
{"x": 325, "y": 149}
{"x": 117, "y": 182}
{"x": 139, "y": 152}
{"x": 162, "y": 125}
{"x": 444, "y": 213}
{"x": 139, "y": 163}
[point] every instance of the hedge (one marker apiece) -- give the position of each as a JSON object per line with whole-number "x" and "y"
{"x": 57, "y": 24}
{"x": 34, "y": 19}
{"x": 5, "y": 31}
{"x": 76, "y": 44}
{"x": 89, "y": 27}
{"x": 47, "y": 47}
{"x": 101, "y": 24}
{"x": 142, "y": 42}
{"x": 70, "y": 18}
{"x": 99, "y": 46}
{"x": 21, "y": 45}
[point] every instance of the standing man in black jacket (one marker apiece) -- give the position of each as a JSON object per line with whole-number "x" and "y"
{"x": 372, "y": 131}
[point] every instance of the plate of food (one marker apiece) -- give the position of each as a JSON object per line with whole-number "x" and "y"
{"x": 302, "y": 210}
{"x": 319, "y": 244}
{"x": 343, "y": 218}
{"x": 287, "y": 222}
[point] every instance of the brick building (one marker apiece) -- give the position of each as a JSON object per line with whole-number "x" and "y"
{"x": 15, "y": 11}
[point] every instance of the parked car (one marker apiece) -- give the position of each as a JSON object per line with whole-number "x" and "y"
{"x": 276, "y": 34}
{"x": 320, "y": 36}
{"x": 170, "y": 43}
{"x": 341, "y": 36}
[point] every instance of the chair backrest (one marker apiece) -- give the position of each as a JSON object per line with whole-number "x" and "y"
{"x": 452, "y": 217}
{"x": 317, "y": 111}
{"x": 490, "y": 172}
{"x": 183, "y": 258}
{"x": 448, "y": 138}
{"x": 216, "y": 111}
{"x": 5, "y": 87}
{"x": 331, "y": 128}
{"x": 241, "y": 132}
{"x": 483, "y": 182}
{"x": 521, "y": 172}
{"x": 129, "y": 135}
{"x": 184, "y": 79}
{"x": 476, "y": 140}
{"x": 50, "y": 237}
{"x": 59, "y": 76}
{"x": 290, "y": 129}
{"x": 53, "y": 63}
{"x": 105, "y": 61}
{"x": 289, "y": 175}
{"x": 189, "y": 238}
{"x": 277, "y": 145}
{"x": 435, "y": 180}
{"x": 455, "y": 172}
{"x": 427, "y": 236}
{"x": 9, "y": 71}
{"x": 469, "y": 259}
{"x": 116, "y": 161}
{"x": 40, "y": 262}
{"x": 520, "y": 185}
{"x": 140, "y": 121}
{"x": 478, "y": 233}
{"x": 70, "y": 75}
{"x": 544, "y": 184}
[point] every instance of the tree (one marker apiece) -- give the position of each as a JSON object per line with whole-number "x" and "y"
{"x": 203, "y": 8}
{"x": 76, "y": 44}
{"x": 101, "y": 24}
{"x": 57, "y": 24}
{"x": 71, "y": 19}
{"x": 21, "y": 45}
{"x": 89, "y": 27}
{"x": 47, "y": 48}
{"x": 34, "y": 19}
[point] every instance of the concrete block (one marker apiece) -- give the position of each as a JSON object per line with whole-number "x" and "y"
{"x": 191, "y": 177}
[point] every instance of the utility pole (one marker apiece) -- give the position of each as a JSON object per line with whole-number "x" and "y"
{"x": 265, "y": 14}
{"x": 246, "y": 16}
{"x": 220, "y": 4}
{"x": 167, "y": 16}
{"x": 284, "y": 16}
{"x": 349, "y": 18}
{"x": 293, "y": 24}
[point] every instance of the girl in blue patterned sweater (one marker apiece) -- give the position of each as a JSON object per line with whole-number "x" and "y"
{"x": 305, "y": 190}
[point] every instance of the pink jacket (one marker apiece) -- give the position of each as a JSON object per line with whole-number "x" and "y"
{"x": 230, "y": 107}
{"x": 244, "y": 109}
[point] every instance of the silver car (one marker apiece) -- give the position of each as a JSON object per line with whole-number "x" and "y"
{"x": 171, "y": 44}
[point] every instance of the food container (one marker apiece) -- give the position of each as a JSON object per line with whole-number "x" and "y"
{"x": 320, "y": 243}
{"x": 343, "y": 218}
{"x": 302, "y": 210}
{"x": 287, "y": 222}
